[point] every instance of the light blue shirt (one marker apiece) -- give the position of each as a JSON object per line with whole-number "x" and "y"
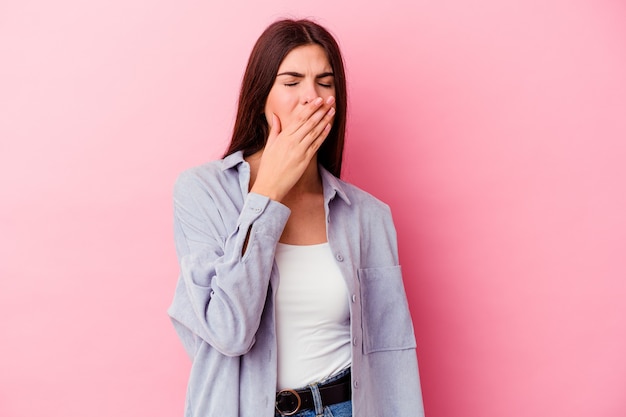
{"x": 223, "y": 307}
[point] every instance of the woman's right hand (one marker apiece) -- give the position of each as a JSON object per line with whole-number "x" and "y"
{"x": 290, "y": 149}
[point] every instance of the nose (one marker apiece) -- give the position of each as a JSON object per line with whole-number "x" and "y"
{"x": 309, "y": 92}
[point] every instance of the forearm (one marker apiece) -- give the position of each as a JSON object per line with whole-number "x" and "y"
{"x": 226, "y": 286}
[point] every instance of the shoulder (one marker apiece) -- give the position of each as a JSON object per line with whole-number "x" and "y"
{"x": 362, "y": 200}
{"x": 372, "y": 214}
{"x": 369, "y": 221}
{"x": 219, "y": 176}
{"x": 206, "y": 174}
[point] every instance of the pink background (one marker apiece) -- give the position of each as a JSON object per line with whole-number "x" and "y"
{"x": 501, "y": 124}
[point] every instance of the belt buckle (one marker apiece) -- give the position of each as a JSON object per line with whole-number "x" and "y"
{"x": 289, "y": 393}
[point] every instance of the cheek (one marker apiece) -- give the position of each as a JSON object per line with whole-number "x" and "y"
{"x": 281, "y": 104}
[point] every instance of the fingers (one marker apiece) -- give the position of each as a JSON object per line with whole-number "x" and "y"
{"x": 305, "y": 114}
{"x": 317, "y": 128}
{"x": 308, "y": 129}
{"x": 311, "y": 115}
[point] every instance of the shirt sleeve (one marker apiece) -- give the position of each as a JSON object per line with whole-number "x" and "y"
{"x": 224, "y": 281}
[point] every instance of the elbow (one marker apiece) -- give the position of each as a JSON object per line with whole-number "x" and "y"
{"x": 229, "y": 338}
{"x": 230, "y": 327}
{"x": 234, "y": 344}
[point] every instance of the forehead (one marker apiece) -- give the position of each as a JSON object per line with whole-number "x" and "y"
{"x": 306, "y": 57}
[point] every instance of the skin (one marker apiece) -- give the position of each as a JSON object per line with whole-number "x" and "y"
{"x": 300, "y": 111}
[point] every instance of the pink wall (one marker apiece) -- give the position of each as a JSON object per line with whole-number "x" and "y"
{"x": 501, "y": 124}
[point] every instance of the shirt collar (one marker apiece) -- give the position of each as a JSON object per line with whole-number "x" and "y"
{"x": 232, "y": 160}
{"x": 333, "y": 186}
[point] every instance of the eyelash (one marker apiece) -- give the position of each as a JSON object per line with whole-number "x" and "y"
{"x": 321, "y": 84}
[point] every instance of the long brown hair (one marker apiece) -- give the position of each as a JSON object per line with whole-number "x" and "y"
{"x": 251, "y": 128}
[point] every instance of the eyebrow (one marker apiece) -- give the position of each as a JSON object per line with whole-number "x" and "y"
{"x": 298, "y": 75}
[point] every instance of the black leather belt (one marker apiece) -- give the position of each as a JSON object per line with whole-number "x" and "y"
{"x": 289, "y": 401}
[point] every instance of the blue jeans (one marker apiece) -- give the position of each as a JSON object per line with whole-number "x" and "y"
{"x": 335, "y": 410}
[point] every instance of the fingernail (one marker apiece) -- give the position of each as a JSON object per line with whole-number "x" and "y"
{"x": 318, "y": 101}
{"x": 330, "y": 100}
{"x": 331, "y": 111}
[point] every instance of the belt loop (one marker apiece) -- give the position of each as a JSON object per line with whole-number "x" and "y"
{"x": 317, "y": 400}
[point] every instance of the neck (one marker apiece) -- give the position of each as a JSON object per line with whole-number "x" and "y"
{"x": 310, "y": 181}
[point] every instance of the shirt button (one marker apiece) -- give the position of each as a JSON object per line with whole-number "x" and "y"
{"x": 354, "y": 341}
{"x": 257, "y": 210}
{"x": 355, "y": 384}
{"x": 339, "y": 257}
{"x": 354, "y": 298}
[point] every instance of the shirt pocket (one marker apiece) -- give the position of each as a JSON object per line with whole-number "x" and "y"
{"x": 385, "y": 313}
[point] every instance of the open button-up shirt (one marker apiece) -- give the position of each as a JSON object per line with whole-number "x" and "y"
{"x": 223, "y": 307}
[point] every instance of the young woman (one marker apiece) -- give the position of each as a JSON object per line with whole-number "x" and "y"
{"x": 290, "y": 298}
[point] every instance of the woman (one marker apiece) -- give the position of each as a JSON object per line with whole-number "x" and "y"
{"x": 290, "y": 299}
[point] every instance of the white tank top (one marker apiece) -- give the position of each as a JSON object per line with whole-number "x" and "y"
{"x": 312, "y": 315}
